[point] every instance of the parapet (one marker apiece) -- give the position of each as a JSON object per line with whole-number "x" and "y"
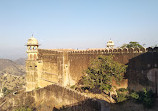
{"x": 98, "y": 51}
{"x": 49, "y": 51}
{"x": 150, "y": 49}
{"x": 109, "y": 51}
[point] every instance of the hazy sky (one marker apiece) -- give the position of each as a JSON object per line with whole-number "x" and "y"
{"x": 75, "y": 23}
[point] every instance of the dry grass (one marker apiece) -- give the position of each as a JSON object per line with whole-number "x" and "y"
{"x": 12, "y": 82}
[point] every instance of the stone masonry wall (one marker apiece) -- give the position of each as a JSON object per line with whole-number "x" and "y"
{"x": 48, "y": 98}
{"x": 67, "y": 67}
{"x": 80, "y": 60}
{"x": 52, "y": 67}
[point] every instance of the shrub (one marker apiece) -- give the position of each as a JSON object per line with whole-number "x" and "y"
{"x": 5, "y": 91}
{"x": 134, "y": 95}
{"x": 122, "y": 95}
{"x": 144, "y": 97}
{"x": 24, "y": 109}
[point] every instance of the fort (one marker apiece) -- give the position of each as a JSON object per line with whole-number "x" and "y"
{"x": 51, "y": 72}
{"x": 66, "y": 66}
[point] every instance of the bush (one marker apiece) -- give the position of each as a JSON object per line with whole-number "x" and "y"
{"x": 24, "y": 109}
{"x": 144, "y": 97}
{"x": 123, "y": 90}
{"x": 5, "y": 91}
{"x": 122, "y": 95}
{"x": 134, "y": 95}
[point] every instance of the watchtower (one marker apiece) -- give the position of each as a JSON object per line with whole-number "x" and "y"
{"x": 110, "y": 44}
{"x": 32, "y": 48}
{"x": 32, "y": 73}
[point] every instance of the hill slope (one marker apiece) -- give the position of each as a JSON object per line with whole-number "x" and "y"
{"x": 12, "y": 75}
{"x": 20, "y": 61}
{"x": 9, "y": 67}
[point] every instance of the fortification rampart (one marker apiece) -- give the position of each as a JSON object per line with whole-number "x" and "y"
{"x": 50, "y": 97}
{"x": 80, "y": 60}
{"x": 109, "y": 51}
{"x": 66, "y": 67}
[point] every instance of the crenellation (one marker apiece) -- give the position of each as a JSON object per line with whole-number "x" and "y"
{"x": 120, "y": 50}
{"x": 149, "y": 49}
{"x": 143, "y": 50}
{"x": 115, "y": 50}
{"x": 110, "y": 51}
{"x": 131, "y": 50}
{"x": 155, "y": 49}
{"x": 136, "y": 50}
{"x": 125, "y": 50}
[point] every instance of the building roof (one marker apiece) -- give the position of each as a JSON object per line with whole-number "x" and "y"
{"x": 32, "y": 41}
{"x": 110, "y": 43}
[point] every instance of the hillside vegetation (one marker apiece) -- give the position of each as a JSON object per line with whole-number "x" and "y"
{"x": 12, "y": 74}
{"x": 12, "y": 82}
{"x": 9, "y": 67}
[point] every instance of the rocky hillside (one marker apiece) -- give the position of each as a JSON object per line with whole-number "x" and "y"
{"x": 12, "y": 82}
{"x": 9, "y": 67}
{"x": 20, "y": 61}
{"x": 12, "y": 74}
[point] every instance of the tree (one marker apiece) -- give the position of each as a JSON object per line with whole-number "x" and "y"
{"x": 101, "y": 73}
{"x": 132, "y": 45}
{"x": 5, "y": 91}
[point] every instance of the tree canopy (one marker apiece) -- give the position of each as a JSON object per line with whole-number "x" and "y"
{"x": 101, "y": 73}
{"x": 132, "y": 45}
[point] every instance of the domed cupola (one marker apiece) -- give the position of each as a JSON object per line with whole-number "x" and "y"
{"x": 32, "y": 41}
{"x": 110, "y": 44}
{"x": 32, "y": 48}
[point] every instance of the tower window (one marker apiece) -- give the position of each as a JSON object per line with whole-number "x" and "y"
{"x": 30, "y": 56}
{"x": 30, "y": 48}
{"x": 35, "y": 56}
{"x": 34, "y": 48}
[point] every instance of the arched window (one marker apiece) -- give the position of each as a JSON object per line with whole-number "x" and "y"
{"x": 34, "y": 48}
{"x": 30, "y": 56}
{"x": 35, "y": 57}
{"x": 30, "y": 47}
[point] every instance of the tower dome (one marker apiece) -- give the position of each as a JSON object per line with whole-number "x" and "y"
{"x": 110, "y": 44}
{"x": 32, "y": 41}
{"x": 32, "y": 48}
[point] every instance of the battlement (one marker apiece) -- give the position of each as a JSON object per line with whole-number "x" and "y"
{"x": 150, "y": 49}
{"x": 99, "y": 51}
{"x": 110, "y": 51}
{"x": 49, "y": 51}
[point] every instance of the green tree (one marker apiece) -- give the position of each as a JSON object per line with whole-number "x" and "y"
{"x": 132, "y": 45}
{"x": 101, "y": 73}
{"x": 5, "y": 91}
{"x": 23, "y": 109}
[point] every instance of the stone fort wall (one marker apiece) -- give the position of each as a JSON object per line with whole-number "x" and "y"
{"x": 50, "y": 98}
{"x": 66, "y": 67}
{"x": 80, "y": 60}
